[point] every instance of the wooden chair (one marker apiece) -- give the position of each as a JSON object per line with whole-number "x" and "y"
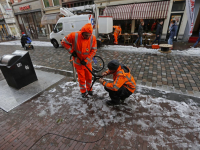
{"x": 127, "y": 38}
{"x": 150, "y": 39}
{"x": 143, "y": 39}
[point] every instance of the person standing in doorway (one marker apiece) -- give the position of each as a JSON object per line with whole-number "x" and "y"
{"x": 117, "y": 32}
{"x": 82, "y": 45}
{"x": 140, "y": 33}
{"x": 172, "y": 31}
{"x": 158, "y": 32}
{"x": 198, "y": 40}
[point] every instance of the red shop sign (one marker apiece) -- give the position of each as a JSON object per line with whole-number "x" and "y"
{"x": 24, "y": 7}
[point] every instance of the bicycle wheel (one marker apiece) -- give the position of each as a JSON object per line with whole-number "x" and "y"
{"x": 97, "y": 64}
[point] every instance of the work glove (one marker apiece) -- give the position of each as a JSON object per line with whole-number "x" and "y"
{"x": 104, "y": 74}
{"x": 83, "y": 62}
{"x": 74, "y": 54}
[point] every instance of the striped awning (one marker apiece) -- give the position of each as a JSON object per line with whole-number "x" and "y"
{"x": 155, "y": 10}
{"x": 122, "y": 12}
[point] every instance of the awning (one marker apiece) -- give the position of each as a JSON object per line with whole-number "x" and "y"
{"x": 155, "y": 10}
{"x": 122, "y": 12}
{"x": 49, "y": 19}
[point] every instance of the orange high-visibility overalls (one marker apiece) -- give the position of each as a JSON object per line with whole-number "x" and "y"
{"x": 85, "y": 50}
{"x": 120, "y": 78}
{"x": 117, "y": 31}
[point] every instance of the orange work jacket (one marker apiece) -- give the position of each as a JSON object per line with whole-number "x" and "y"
{"x": 84, "y": 48}
{"x": 121, "y": 78}
{"x": 118, "y": 30}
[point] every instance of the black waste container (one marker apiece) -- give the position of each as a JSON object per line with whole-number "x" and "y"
{"x": 18, "y": 69}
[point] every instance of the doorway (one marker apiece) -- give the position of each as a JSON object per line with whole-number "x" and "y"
{"x": 196, "y": 25}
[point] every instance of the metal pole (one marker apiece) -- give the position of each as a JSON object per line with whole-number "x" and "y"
{"x": 74, "y": 71}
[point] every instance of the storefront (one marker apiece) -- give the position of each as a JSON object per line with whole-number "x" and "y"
{"x": 3, "y": 30}
{"x": 129, "y": 16}
{"x": 178, "y": 13}
{"x": 9, "y": 20}
{"x": 12, "y": 27}
{"x": 28, "y": 15}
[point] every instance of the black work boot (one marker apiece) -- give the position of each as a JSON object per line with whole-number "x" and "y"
{"x": 111, "y": 103}
{"x": 83, "y": 95}
{"x": 90, "y": 93}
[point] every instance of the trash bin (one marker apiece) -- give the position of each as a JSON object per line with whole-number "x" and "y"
{"x": 18, "y": 69}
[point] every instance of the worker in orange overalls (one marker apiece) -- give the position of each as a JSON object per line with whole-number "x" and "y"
{"x": 83, "y": 45}
{"x": 123, "y": 83}
{"x": 117, "y": 31}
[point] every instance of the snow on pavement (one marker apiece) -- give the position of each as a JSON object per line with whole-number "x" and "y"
{"x": 130, "y": 49}
{"x": 34, "y": 43}
{"x": 158, "y": 120}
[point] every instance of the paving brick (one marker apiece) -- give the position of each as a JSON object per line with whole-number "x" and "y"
{"x": 147, "y": 69}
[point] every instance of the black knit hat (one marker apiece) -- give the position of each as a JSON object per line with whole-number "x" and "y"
{"x": 113, "y": 65}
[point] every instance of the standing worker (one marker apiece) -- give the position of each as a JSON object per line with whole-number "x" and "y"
{"x": 117, "y": 32}
{"x": 158, "y": 32}
{"x": 123, "y": 83}
{"x": 82, "y": 44}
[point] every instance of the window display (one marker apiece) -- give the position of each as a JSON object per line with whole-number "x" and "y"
{"x": 46, "y": 3}
{"x": 31, "y": 25}
{"x": 56, "y": 2}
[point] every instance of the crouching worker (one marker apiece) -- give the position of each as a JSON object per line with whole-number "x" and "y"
{"x": 123, "y": 83}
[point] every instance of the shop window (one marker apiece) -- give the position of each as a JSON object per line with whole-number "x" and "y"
{"x": 178, "y": 18}
{"x": 41, "y": 30}
{"x": 59, "y": 27}
{"x": 21, "y": 25}
{"x": 52, "y": 26}
{"x": 125, "y": 25}
{"x": 101, "y": 11}
{"x": 150, "y": 25}
{"x": 178, "y": 6}
{"x": 56, "y": 2}
{"x": 72, "y": 5}
{"x": 46, "y": 3}
{"x": 82, "y": 3}
{"x": 12, "y": 28}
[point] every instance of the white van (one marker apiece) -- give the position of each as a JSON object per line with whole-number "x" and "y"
{"x": 66, "y": 25}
